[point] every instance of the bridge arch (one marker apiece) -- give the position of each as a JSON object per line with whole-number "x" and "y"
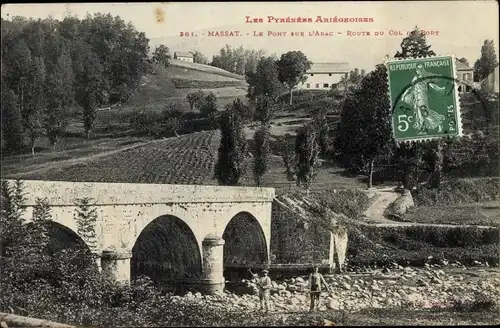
{"x": 62, "y": 238}
{"x": 245, "y": 242}
{"x": 167, "y": 252}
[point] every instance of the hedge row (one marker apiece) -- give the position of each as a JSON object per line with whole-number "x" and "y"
{"x": 459, "y": 191}
{"x": 413, "y": 245}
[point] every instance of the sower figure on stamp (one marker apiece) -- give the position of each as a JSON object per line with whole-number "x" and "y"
{"x": 265, "y": 285}
{"x": 426, "y": 119}
{"x": 316, "y": 282}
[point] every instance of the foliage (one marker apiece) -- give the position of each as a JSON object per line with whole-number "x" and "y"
{"x": 146, "y": 121}
{"x": 209, "y": 105}
{"x": 290, "y": 159}
{"x": 245, "y": 112}
{"x": 161, "y": 55}
{"x": 366, "y": 115}
{"x": 195, "y": 99}
{"x": 265, "y": 108}
{"x": 51, "y": 64}
{"x": 414, "y": 46}
{"x": 60, "y": 96}
{"x": 199, "y": 58}
{"x": 264, "y": 82}
{"x": 459, "y": 191}
{"x": 347, "y": 84}
{"x": 464, "y": 60}
{"x": 307, "y": 150}
{"x": 415, "y": 244}
{"x": 237, "y": 60}
{"x": 292, "y": 67}
{"x": 262, "y": 152}
{"x": 487, "y": 62}
{"x": 350, "y": 202}
{"x": 86, "y": 218}
{"x": 12, "y": 126}
{"x": 232, "y": 151}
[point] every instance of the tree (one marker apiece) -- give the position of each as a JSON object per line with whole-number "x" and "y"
{"x": 292, "y": 67}
{"x": 60, "y": 96}
{"x": 172, "y": 119}
{"x": 89, "y": 88}
{"x": 195, "y": 99}
{"x": 199, "y": 58}
{"x": 414, "y": 45}
{"x": 232, "y": 151}
{"x": 434, "y": 158}
{"x": 86, "y": 220}
{"x": 265, "y": 81}
{"x": 307, "y": 150}
{"x": 464, "y": 60}
{"x": 244, "y": 111}
{"x": 289, "y": 159}
{"x": 325, "y": 144}
{"x": 12, "y": 125}
{"x": 262, "y": 152}
{"x": 12, "y": 222}
{"x": 34, "y": 102}
{"x": 364, "y": 131}
{"x": 161, "y": 55}
{"x": 347, "y": 84}
{"x": 209, "y": 105}
{"x": 265, "y": 108}
{"x": 487, "y": 62}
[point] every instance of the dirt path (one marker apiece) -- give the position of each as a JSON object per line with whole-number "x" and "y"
{"x": 382, "y": 198}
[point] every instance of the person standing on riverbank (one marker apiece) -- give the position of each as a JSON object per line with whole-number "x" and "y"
{"x": 316, "y": 282}
{"x": 265, "y": 285}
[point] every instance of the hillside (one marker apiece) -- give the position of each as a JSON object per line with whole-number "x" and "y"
{"x": 172, "y": 84}
{"x": 187, "y": 159}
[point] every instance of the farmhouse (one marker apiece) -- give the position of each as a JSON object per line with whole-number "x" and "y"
{"x": 322, "y": 76}
{"x": 465, "y": 77}
{"x": 184, "y": 56}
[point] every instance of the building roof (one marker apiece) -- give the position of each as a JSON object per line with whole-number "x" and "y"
{"x": 462, "y": 66}
{"x": 183, "y": 54}
{"x": 329, "y": 68}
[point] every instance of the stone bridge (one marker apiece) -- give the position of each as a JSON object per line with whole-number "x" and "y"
{"x": 171, "y": 232}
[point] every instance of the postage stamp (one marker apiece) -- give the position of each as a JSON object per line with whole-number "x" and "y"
{"x": 424, "y": 98}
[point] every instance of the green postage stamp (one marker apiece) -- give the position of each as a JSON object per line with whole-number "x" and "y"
{"x": 424, "y": 98}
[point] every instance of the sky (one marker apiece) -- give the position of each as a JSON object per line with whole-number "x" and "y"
{"x": 462, "y": 26}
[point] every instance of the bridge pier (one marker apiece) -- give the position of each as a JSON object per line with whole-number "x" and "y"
{"x": 115, "y": 265}
{"x": 212, "y": 280}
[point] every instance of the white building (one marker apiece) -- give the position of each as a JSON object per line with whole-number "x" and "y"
{"x": 184, "y": 56}
{"x": 321, "y": 76}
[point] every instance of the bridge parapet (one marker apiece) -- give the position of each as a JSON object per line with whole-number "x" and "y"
{"x": 63, "y": 193}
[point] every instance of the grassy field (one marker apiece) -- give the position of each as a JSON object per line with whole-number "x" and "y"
{"x": 188, "y": 159}
{"x": 483, "y": 213}
{"x": 172, "y": 84}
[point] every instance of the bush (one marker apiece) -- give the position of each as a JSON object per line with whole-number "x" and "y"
{"x": 459, "y": 191}
{"x": 412, "y": 245}
{"x": 350, "y": 202}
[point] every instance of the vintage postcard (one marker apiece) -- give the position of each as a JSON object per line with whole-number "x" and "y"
{"x": 250, "y": 164}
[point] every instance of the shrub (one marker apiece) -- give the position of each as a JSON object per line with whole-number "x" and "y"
{"x": 459, "y": 191}
{"x": 350, "y": 202}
